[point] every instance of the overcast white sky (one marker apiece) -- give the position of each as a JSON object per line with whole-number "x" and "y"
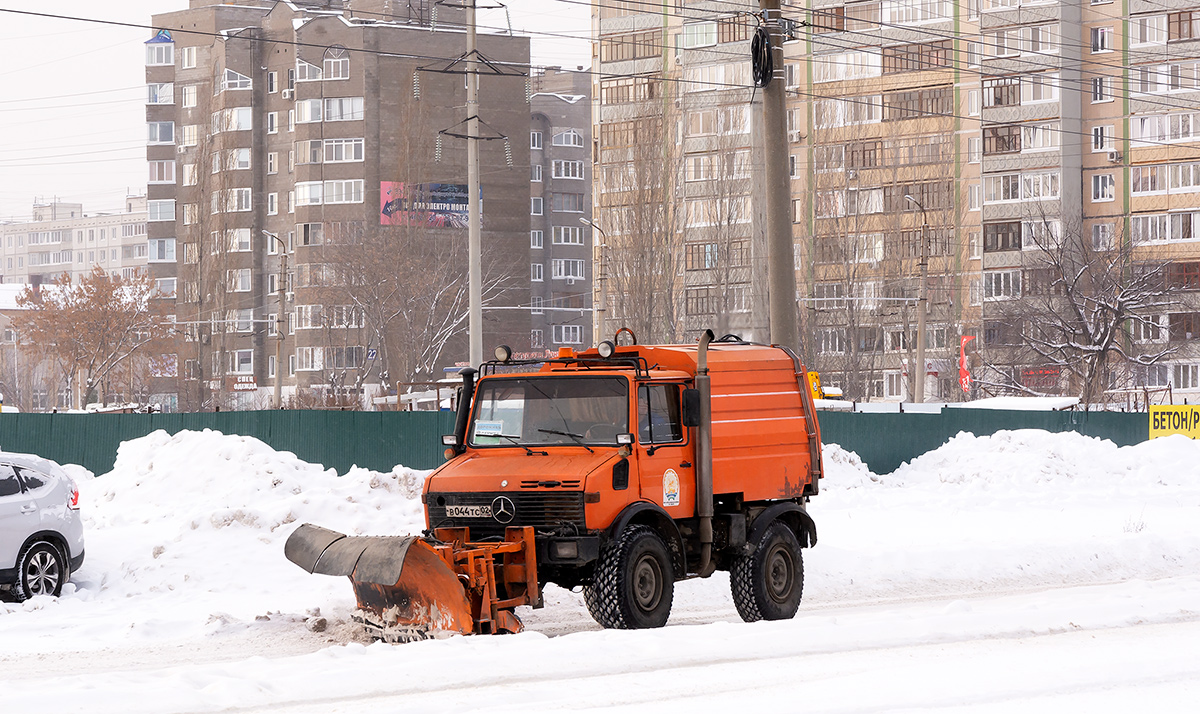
{"x": 72, "y": 94}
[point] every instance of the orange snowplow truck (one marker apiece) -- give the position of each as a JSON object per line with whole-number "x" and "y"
{"x": 619, "y": 469}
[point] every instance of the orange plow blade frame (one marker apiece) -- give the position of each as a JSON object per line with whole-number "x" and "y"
{"x": 409, "y": 588}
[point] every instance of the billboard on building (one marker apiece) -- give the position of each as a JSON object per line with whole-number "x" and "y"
{"x": 433, "y": 205}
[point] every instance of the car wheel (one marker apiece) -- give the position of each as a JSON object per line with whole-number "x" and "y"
{"x": 42, "y": 570}
{"x": 634, "y": 582}
{"x": 768, "y": 583}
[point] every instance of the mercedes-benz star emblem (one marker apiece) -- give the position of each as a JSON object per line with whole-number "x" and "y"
{"x": 503, "y": 509}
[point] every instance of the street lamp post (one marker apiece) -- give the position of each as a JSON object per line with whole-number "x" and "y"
{"x": 599, "y": 273}
{"x": 280, "y": 287}
{"x": 922, "y": 304}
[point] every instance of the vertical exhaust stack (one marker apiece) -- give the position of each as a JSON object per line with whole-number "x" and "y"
{"x": 704, "y": 481}
{"x": 464, "y": 407}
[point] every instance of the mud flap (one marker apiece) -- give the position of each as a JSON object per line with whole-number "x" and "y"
{"x": 405, "y": 591}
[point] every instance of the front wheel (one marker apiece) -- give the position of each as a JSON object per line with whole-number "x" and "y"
{"x": 634, "y": 582}
{"x": 768, "y": 583}
{"x": 41, "y": 571}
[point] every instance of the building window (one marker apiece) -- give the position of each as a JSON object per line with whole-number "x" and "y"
{"x": 1102, "y": 138}
{"x": 1001, "y": 284}
{"x": 1102, "y": 188}
{"x": 310, "y": 233}
{"x": 272, "y": 82}
{"x": 160, "y": 132}
{"x": 567, "y": 170}
{"x": 535, "y": 239}
{"x": 160, "y": 93}
{"x": 162, "y": 172}
{"x": 159, "y": 54}
{"x": 568, "y": 334}
{"x": 165, "y": 287}
{"x": 343, "y": 150}
{"x": 568, "y": 235}
{"x": 535, "y": 139}
{"x": 272, "y": 204}
{"x": 535, "y": 272}
{"x": 570, "y": 137}
{"x": 536, "y": 305}
{"x": 1102, "y": 39}
{"x": 535, "y": 206}
{"x": 1101, "y": 89}
{"x": 535, "y": 173}
{"x": 241, "y": 362}
{"x": 536, "y": 340}
{"x": 1102, "y": 236}
{"x": 699, "y": 34}
{"x": 187, "y": 57}
{"x": 337, "y": 68}
{"x": 238, "y": 281}
{"x": 344, "y": 109}
{"x": 570, "y": 269}
{"x": 163, "y": 210}
{"x": 567, "y": 202}
{"x": 161, "y": 250}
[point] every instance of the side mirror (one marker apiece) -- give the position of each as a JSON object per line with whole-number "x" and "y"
{"x": 691, "y": 407}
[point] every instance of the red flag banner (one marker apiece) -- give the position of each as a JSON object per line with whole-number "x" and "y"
{"x": 964, "y": 375}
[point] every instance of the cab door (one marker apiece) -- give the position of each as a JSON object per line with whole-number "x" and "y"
{"x": 666, "y": 469}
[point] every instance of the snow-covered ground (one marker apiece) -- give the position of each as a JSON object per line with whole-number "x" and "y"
{"x": 1024, "y": 571}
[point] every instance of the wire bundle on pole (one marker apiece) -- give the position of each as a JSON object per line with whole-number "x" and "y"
{"x": 762, "y": 65}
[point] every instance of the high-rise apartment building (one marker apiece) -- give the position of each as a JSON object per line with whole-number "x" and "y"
{"x": 62, "y": 240}
{"x": 1017, "y": 141}
{"x": 678, "y": 170}
{"x": 561, "y": 235}
{"x": 308, "y": 173}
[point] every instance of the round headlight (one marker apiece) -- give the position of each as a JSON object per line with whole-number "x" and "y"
{"x": 606, "y": 349}
{"x": 504, "y": 353}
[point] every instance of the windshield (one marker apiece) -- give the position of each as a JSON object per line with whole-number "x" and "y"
{"x": 550, "y": 411}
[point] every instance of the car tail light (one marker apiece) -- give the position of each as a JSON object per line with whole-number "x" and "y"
{"x": 73, "y": 501}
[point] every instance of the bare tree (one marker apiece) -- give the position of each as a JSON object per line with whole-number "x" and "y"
{"x": 642, "y": 220}
{"x": 1087, "y": 311}
{"x": 90, "y": 329}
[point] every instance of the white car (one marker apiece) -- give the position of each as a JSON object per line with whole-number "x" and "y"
{"x": 41, "y": 533}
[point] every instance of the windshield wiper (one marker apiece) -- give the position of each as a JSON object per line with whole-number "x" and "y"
{"x": 577, "y": 437}
{"x": 514, "y": 440}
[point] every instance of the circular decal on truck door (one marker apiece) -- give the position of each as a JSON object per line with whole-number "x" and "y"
{"x": 670, "y": 488}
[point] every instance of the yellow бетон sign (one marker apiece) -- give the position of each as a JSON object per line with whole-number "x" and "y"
{"x": 1165, "y": 421}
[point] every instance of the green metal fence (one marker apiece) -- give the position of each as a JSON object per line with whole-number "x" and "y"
{"x": 885, "y": 441}
{"x": 380, "y": 440}
{"x": 339, "y": 440}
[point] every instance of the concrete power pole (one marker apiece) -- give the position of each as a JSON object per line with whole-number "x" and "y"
{"x": 781, "y": 270}
{"x": 474, "y": 222}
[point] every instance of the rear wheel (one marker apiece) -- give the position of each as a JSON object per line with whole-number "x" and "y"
{"x": 634, "y": 582}
{"x": 768, "y": 583}
{"x": 42, "y": 570}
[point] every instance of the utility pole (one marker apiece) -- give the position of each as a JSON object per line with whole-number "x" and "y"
{"x": 922, "y": 305}
{"x": 781, "y": 269}
{"x": 280, "y": 289}
{"x": 474, "y": 223}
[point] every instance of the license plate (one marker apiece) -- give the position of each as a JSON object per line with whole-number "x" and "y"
{"x": 468, "y": 511}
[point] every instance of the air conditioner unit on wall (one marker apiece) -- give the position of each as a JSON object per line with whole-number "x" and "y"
{"x": 288, "y": 93}
{"x": 793, "y": 136}
{"x": 1114, "y": 157}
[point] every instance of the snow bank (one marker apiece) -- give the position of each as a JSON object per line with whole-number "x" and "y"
{"x": 187, "y": 531}
{"x": 185, "y": 535}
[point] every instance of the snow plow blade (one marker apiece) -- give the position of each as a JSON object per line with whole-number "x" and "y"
{"x": 410, "y": 588}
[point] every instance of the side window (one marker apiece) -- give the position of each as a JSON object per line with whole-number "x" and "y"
{"x": 9, "y": 486}
{"x": 659, "y": 414}
{"x": 33, "y": 480}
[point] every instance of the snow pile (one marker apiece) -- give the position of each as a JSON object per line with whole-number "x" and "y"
{"x": 188, "y": 531}
{"x": 185, "y": 535}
